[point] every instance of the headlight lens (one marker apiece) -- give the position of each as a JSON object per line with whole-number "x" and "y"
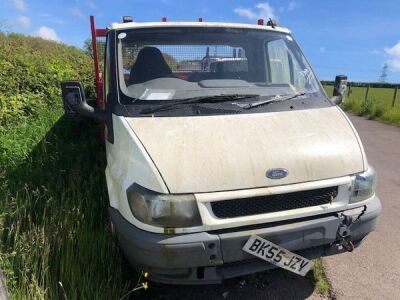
{"x": 163, "y": 210}
{"x": 363, "y": 186}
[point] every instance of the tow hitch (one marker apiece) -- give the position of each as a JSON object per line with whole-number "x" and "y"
{"x": 343, "y": 234}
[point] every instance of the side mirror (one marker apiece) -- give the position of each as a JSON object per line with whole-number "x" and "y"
{"x": 75, "y": 104}
{"x": 339, "y": 89}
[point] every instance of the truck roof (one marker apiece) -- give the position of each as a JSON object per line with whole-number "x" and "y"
{"x": 133, "y": 25}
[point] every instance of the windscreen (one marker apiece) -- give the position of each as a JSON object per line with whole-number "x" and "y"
{"x": 180, "y": 63}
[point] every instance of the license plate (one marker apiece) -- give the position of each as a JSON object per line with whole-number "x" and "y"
{"x": 277, "y": 255}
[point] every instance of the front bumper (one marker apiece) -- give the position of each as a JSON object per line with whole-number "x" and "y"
{"x": 210, "y": 257}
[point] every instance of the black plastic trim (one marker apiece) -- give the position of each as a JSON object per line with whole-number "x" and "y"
{"x": 272, "y": 224}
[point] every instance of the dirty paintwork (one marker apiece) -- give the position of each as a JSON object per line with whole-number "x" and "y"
{"x": 213, "y": 153}
{"x": 128, "y": 163}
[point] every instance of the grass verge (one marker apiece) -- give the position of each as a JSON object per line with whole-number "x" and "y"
{"x": 54, "y": 236}
{"x": 320, "y": 279}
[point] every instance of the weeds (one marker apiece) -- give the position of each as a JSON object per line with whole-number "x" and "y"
{"x": 140, "y": 284}
{"x": 53, "y": 225}
{"x": 321, "y": 281}
{"x": 54, "y": 238}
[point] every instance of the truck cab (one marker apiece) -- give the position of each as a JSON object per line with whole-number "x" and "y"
{"x": 218, "y": 134}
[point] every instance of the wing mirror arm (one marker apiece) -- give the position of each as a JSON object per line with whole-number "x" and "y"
{"x": 86, "y": 110}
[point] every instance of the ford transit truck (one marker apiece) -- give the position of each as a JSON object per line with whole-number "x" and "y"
{"x": 225, "y": 156}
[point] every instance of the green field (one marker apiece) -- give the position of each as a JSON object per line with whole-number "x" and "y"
{"x": 377, "y": 107}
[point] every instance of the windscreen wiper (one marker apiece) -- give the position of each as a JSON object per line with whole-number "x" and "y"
{"x": 277, "y": 98}
{"x": 201, "y": 99}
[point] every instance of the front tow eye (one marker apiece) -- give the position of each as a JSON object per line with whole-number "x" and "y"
{"x": 343, "y": 234}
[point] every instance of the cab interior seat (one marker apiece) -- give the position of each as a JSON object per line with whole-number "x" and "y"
{"x": 150, "y": 64}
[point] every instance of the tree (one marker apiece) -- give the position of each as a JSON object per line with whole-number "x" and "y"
{"x": 87, "y": 47}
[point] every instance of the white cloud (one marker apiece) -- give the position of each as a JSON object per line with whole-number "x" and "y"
{"x": 47, "y": 33}
{"x": 266, "y": 11}
{"x": 23, "y": 21}
{"x": 20, "y": 5}
{"x": 322, "y": 49}
{"x": 245, "y": 12}
{"x": 394, "y": 51}
{"x": 394, "y": 54}
{"x": 292, "y": 5}
{"x": 75, "y": 11}
{"x": 394, "y": 64}
{"x": 260, "y": 11}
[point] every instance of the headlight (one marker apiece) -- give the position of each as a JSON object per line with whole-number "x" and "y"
{"x": 363, "y": 186}
{"x": 163, "y": 210}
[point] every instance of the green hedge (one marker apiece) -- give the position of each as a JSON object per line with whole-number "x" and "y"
{"x": 54, "y": 235}
{"x": 31, "y": 69}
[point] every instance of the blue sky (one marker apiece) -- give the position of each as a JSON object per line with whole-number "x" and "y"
{"x": 338, "y": 37}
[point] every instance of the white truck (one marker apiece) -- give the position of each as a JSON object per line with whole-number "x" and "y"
{"x": 216, "y": 173}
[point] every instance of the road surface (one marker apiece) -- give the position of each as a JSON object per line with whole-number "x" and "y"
{"x": 373, "y": 270}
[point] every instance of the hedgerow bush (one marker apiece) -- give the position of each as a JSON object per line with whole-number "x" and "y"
{"x": 31, "y": 70}
{"x": 54, "y": 238}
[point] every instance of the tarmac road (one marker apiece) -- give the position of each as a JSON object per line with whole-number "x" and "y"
{"x": 274, "y": 284}
{"x": 373, "y": 270}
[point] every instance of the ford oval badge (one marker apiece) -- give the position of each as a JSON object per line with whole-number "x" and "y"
{"x": 277, "y": 173}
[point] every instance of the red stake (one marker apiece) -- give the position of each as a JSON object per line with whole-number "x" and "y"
{"x": 99, "y": 79}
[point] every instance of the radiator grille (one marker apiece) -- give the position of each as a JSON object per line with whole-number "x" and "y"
{"x": 273, "y": 203}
